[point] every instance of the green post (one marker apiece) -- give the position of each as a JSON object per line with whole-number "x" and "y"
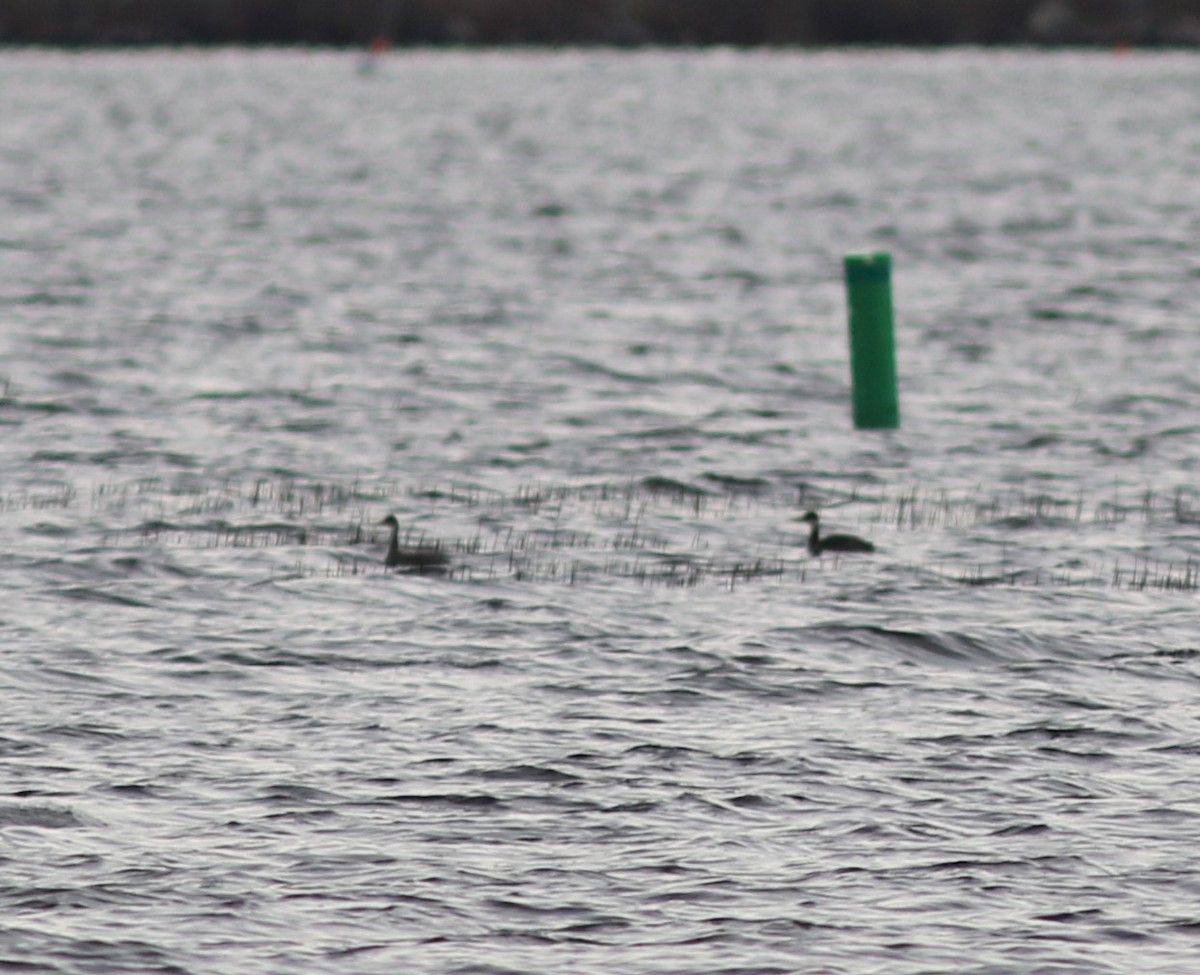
{"x": 872, "y": 345}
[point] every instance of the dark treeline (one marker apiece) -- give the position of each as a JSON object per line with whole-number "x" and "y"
{"x": 627, "y": 22}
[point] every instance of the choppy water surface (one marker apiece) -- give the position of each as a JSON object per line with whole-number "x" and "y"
{"x": 578, "y": 319}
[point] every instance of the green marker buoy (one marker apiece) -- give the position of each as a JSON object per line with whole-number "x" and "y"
{"x": 872, "y": 344}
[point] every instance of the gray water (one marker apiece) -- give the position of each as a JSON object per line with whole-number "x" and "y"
{"x": 577, "y": 318}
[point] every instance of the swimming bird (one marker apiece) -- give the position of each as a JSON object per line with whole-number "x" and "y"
{"x": 832, "y": 543}
{"x": 412, "y": 558}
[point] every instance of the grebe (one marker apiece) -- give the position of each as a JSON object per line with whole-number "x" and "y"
{"x": 413, "y": 558}
{"x": 832, "y": 543}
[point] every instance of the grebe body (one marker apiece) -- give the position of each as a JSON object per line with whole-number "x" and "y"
{"x": 412, "y": 558}
{"x": 818, "y": 544}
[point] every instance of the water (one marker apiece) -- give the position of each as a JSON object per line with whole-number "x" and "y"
{"x": 577, "y": 318}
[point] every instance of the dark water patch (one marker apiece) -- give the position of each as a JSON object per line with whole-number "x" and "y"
{"x": 756, "y": 660}
{"x": 716, "y": 892}
{"x": 728, "y": 681}
{"x": 745, "y": 278}
{"x": 483, "y": 315}
{"x": 295, "y": 396}
{"x": 124, "y": 457}
{"x": 452, "y": 800}
{"x": 1023, "y": 829}
{"x": 1062, "y": 732}
{"x": 54, "y": 299}
{"x": 85, "y": 897}
{"x": 30, "y": 244}
{"x": 1063, "y": 316}
{"x": 132, "y": 565}
{"x": 45, "y": 817}
{"x": 589, "y": 368}
{"x": 1039, "y": 441}
{"x": 666, "y": 756}
{"x": 1033, "y": 521}
{"x": 985, "y": 576}
{"x": 1083, "y": 756}
{"x": 541, "y": 911}
{"x": 658, "y": 485}
{"x": 274, "y": 656}
{"x": 918, "y": 645}
{"x": 285, "y": 793}
{"x": 336, "y": 234}
{"x": 313, "y": 426}
{"x": 531, "y": 773}
{"x": 85, "y": 732}
{"x": 695, "y": 377}
{"x": 637, "y": 807}
{"x": 756, "y": 487}
{"x": 1130, "y": 403}
{"x": 1180, "y": 654}
{"x": 749, "y": 801}
{"x": 107, "y": 229}
{"x": 16, "y": 965}
{"x": 59, "y": 457}
{"x": 973, "y": 869}
{"x": 46, "y": 899}
{"x": 678, "y": 436}
{"x": 45, "y": 407}
{"x": 1168, "y": 433}
{"x": 92, "y": 594}
{"x": 530, "y": 447}
{"x": 1138, "y": 447}
{"x": 240, "y": 326}
{"x": 18, "y": 746}
{"x": 115, "y": 955}
{"x": 138, "y": 790}
{"x": 49, "y": 529}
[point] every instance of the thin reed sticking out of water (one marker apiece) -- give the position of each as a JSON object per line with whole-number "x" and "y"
{"x": 655, "y": 531}
{"x": 1142, "y": 574}
{"x": 909, "y": 509}
{"x": 919, "y": 508}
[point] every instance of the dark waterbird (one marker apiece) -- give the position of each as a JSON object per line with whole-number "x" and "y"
{"x": 412, "y": 558}
{"x": 832, "y": 543}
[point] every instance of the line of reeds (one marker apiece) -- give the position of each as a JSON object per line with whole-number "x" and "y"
{"x": 911, "y": 508}
{"x": 669, "y": 573}
{"x": 1138, "y": 574}
{"x": 1142, "y": 575}
{"x": 653, "y": 530}
{"x": 919, "y": 508}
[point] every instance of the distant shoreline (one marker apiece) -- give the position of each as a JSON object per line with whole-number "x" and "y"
{"x": 600, "y": 23}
